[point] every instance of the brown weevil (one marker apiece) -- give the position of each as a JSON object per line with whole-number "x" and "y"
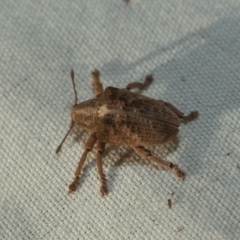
{"x": 121, "y": 117}
{"x": 170, "y": 200}
{"x": 170, "y": 203}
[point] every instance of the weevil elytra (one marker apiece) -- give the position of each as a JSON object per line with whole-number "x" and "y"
{"x": 121, "y": 117}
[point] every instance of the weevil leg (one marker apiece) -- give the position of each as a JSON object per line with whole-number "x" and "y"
{"x": 96, "y": 83}
{"x": 141, "y": 86}
{"x": 100, "y": 150}
{"x": 141, "y": 151}
{"x": 191, "y": 116}
{"x": 88, "y": 147}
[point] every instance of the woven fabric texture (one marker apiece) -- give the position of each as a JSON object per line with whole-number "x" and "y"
{"x": 192, "y": 48}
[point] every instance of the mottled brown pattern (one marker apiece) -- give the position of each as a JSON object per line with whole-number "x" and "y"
{"x": 121, "y": 117}
{"x": 84, "y": 114}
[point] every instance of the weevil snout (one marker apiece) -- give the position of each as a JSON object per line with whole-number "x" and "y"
{"x": 84, "y": 114}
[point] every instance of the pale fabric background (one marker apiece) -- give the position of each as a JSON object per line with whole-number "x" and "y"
{"x": 193, "y": 50}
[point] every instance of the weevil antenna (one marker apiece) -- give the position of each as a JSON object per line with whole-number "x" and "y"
{"x": 60, "y": 146}
{"x": 72, "y": 123}
{"x": 74, "y": 86}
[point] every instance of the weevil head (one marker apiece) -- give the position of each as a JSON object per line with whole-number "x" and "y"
{"x": 84, "y": 114}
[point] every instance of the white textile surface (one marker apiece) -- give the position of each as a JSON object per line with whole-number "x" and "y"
{"x": 191, "y": 47}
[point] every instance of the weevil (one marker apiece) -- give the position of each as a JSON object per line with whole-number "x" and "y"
{"x": 170, "y": 203}
{"x": 170, "y": 200}
{"x": 121, "y": 117}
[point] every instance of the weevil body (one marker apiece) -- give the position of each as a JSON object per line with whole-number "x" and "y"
{"x": 121, "y": 117}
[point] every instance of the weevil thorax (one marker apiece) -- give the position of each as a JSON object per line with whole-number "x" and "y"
{"x": 84, "y": 114}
